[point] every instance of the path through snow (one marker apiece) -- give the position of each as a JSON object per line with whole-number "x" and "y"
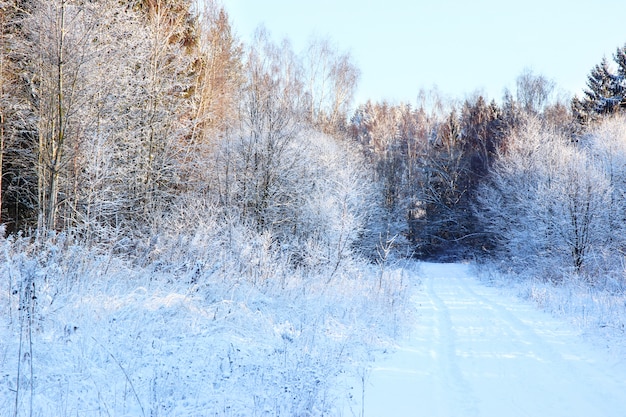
{"x": 476, "y": 352}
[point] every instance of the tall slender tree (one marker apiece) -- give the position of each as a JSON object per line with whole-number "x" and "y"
{"x": 331, "y": 80}
{"x": 220, "y": 72}
{"x": 533, "y": 91}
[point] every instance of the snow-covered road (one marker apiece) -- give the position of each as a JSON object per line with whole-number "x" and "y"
{"x": 476, "y": 352}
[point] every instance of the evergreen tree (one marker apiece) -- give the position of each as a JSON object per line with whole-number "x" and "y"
{"x": 604, "y": 94}
{"x": 620, "y": 60}
{"x": 579, "y": 110}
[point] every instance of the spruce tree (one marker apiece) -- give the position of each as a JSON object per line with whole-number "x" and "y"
{"x": 604, "y": 93}
{"x": 620, "y": 59}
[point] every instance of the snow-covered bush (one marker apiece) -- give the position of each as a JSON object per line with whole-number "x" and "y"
{"x": 213, "y": 322}
{"x": 606, "y": 143}
{"x": 546, "y": 203}
{"x": 313, "y": 198}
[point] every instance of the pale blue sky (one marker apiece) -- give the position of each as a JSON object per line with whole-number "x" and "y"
{"x": 458, "y": 46}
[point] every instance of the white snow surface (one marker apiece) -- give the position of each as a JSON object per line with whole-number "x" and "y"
{"x": 86, "y": 336}
{"x": 84, "y": 333}
{"x": 476, "y": 350}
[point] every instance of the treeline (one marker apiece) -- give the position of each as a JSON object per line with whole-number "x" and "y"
{"x": 535, "y": 181}
{"x": 431, "y": 160}
{"x": 119, "y": 117}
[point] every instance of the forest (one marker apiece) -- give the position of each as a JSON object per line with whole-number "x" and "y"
{"x": 151, "y": 161}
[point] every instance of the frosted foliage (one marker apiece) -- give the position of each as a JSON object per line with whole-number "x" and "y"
{"x": 312, "y": 196}
{"x": 216, "y": 323}
{"x": 546, "y": 203}
{"x": 607, "y": 144}
{"x": 116, "y": 84}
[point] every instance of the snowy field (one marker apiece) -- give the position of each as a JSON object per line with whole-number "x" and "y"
{"x": 87, "y": 334}
{"x": 477, "y": 351}
{"x": 191, "y": 333}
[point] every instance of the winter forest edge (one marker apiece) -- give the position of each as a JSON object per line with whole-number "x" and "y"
{"x": 197, "y": 226}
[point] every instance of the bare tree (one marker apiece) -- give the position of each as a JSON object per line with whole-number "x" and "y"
{"x": 58, "y": 44}
{"x": 270, "y": 119}
{"x": 331, "y": 80}
{"x": 607, "y": 146}
{"x": 533, "y": 91}
{"x": 19, "y": 179}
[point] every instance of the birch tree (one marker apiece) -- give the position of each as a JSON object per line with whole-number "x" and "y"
{"x": 108, "y": 86}
{"x": 331, "y": 80}
{"x": 19, "y": 178}
{"x": 270, "y": 120}
{"x": 59, "y": 43}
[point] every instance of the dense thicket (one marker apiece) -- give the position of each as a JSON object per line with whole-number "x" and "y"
{"x": 520, "y": 180}
{"x": 430, "y": 160}
{"x": 116, "y": 113}
{"x": 102, "y": 89}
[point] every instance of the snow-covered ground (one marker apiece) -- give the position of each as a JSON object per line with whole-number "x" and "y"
{"x": 190, "y": 334}
{"x": 477, "y": 351}
{"x": 88, "y": 334}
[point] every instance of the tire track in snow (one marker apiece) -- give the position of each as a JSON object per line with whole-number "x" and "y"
{"x": 506, "y": 340}
{"x": 476, "y": 352}
{"x": 561, "y": 361}
{"x": 522, "y": 355}
{"x": 447, "y": 359}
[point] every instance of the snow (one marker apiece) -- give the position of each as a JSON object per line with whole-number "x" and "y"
{"x": 478, "y": 351}
{"x": 107, "y": 337}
